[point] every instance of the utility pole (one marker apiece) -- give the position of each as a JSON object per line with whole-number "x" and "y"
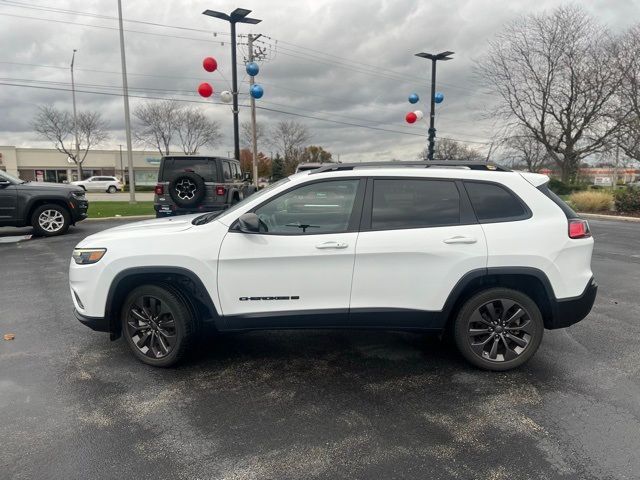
{"x": 432, "y": 115}
{"x": 127, "y": 121}
{"x": 254, "y": 133}
{"x": 75, "y": 118}
{"x": 122, "y": 167}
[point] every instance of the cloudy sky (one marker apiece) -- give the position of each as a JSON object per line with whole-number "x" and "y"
{"x": 335, "y": 61}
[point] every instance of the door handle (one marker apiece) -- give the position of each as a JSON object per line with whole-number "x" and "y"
{"x": 326, "y": 245}
{"x": 460, "y": 239}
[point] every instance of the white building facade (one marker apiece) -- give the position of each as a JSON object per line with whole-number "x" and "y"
{"x": 49, "y": 165}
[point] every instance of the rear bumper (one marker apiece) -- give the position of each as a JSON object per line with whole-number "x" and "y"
{"x": 168, "y": 210}
{"x": 566, "y": 312}
{"x": 99, "y": 324}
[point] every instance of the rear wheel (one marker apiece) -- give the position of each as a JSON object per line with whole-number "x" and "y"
{"x": 498, "y": 329}
{"x": 50, "y": 220}
{"x": 112, "y": 189}
{"x": 158, "y": 324}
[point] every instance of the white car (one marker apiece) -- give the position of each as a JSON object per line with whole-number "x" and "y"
{"x": 487, "y": 254}
{"x": 100, "y": 184}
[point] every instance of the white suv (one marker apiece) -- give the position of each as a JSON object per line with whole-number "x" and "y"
{"x": 100, "y": 184}
{"x": 489, "y": 255}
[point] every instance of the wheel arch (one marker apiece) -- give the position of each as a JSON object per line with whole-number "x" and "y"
{"x": 184, "y": 280}
{"x": 39, "y": 201}
{"x": 528, "y": 280}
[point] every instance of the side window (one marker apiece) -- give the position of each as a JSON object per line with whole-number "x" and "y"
{"x": 408, "y": 203}
{"x": 226, "y": 171}
{"x": 235, "y": 170}
{"x": 323, "y": 207}
{"x": 493, "y": 203}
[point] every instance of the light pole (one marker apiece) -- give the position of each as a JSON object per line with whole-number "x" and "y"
{"x": 434, "y": 57}
{"x": 239, "y": 15}
{"x": 75, "y": 119}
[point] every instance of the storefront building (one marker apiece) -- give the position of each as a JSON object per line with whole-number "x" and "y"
{"x": 49, "y": 165}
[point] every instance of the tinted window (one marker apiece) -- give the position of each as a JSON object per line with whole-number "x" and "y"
{"x": 204, "y": 167}
{"x": 323, "y": 207}
{"x": 407, "y": 203}
{"x": 226, "y": 171}
{"x": 494, "y": 203}
{"x": 235, "y": 170}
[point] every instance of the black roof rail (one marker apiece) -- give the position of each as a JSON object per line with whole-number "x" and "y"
{"x": 337, "y": 167}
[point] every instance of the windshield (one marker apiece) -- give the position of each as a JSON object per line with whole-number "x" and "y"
{"x": 207, "y": 217}
{"x": 11, "y": 178}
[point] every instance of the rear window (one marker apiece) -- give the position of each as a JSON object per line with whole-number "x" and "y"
{"x": 405, "y": 203}
{"x": 204, "y": 167}
{"x": 494, "y": 203}
{"x": 568, "y": 211}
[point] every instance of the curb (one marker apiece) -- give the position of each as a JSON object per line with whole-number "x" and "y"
{"x": 596, "y": 216}
{"x": 124, "y": 217}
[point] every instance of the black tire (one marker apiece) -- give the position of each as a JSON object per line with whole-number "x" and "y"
{"x": 112, "y": 189}
{"x": 501, "y": 323}
{"x": 175, "y": 327}
{"x": 187, "y": 189}
{"x": 50, "y": 220}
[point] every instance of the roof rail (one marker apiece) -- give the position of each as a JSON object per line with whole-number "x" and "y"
{"x": 336, "y": 167}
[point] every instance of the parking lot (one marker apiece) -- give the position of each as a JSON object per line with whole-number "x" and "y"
{"x": 314, "y": 404}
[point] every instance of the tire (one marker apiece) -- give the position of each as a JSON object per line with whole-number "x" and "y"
{"x": 167, "y": 341}
{"x": 490, "y": 320}
{"x": 50, "y": 220}
{"x": 112, "y": 189}
{"x": 187, "y": 189}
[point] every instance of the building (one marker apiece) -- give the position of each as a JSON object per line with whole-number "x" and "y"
{"x": 49, "y": 165}
{"x": 596, "y": 175}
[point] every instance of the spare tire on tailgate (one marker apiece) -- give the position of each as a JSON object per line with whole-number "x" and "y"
{"x": 187, "y": 189}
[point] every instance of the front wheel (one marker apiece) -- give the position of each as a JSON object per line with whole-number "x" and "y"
{"x": 158, "y": 324}
{"x": 498, "y": 329}
{"x": 50, "y": 220}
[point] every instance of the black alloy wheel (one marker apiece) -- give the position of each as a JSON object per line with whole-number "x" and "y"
{"x": 157, "y": 324}
{"x": 187, "y": 189}
{"x": 499, "y": 329}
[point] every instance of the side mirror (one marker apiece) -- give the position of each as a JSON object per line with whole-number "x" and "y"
{"x": 247, "y": 177}
{"x": 249, "y": 223}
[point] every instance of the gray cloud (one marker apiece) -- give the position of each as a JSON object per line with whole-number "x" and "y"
{"x": 372, "y": 33}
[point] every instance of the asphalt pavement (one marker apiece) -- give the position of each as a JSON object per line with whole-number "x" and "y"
{"x": 314, "y": 404}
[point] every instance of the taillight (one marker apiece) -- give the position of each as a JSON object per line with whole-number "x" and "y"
{"x": 579, "y": 228}
{"x": 159, "y": 190}
{"x": 220, "y": 190}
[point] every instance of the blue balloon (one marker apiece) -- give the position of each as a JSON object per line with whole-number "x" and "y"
{"x": 414, "y": 98}
{"x": 256, "y": 91}
{"x": 438, "y": 97}
{"x": 252, "y": 69}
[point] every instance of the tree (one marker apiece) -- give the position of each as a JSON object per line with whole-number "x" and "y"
{"x": 158, "y": 123}
{"x": 523, "y": 149}
{"x": 556, "y": 76}
{"x": 195, "y": 130}
{"x": 277, "y": 168}
{"x": 447, "y": 149}
{"x": 628, "y": 137}
{"x": 57, "y": 126}
{"x": 246, "y": 163}
{"x": 315, "y": 154}
{"x": 246, "y": 134}
{"x": 289, "y": 138}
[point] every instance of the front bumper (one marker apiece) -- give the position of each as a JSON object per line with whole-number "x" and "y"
{"x": 79, "y": 209}
{"x": 99, "y": 324}
{"x": 566, "y": 312}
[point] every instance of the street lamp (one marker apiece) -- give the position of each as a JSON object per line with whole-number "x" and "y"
{"x": 434, "y": 57}
{"x": 239, "y": 15}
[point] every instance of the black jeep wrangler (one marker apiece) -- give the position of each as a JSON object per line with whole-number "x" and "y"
{"x": 49, "y": 207}
{"x": 188, "y": 184}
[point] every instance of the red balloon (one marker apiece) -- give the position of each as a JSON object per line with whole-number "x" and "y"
{"x": 411, "y": 117}
{"x": 205, "y": 89}
{"x": 210, "y": 64}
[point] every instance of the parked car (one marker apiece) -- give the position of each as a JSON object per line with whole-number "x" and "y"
{"x": 100, "y": 184}
{"x": 489, "y": 255}
{"x": 49, "y": 207}
{"x": 188, "y": 184}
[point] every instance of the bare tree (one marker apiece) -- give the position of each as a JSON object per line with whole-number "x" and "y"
{"x": 447, "y": 149}
{"x": 628, "y": 137}
{"x": 315, "y": 154}
{"x": 246, "y": 134}
{"x": 289, "y": 138}
{"x": 522, "y": 149}
{"x": 195, "y": 130}
{"x": 57, "y": 127}
{"x": 556, "y": 76}
{"x": 157, "y": 125}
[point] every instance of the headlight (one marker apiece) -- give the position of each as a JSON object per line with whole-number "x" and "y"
{"x": 86, "y": 256}
{"x": 78, "y": 194}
